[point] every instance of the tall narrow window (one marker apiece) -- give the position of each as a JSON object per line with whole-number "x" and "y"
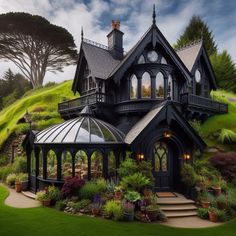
{"x": 198, "y": 80}
{"x": 141, "y": 60}
{"x": 159, "y": 85}
{"x": 51, "y": 165}
{"x": 133, "y": 87}
{"x": 146, "y": 85}
{"x": 170, "y": 86}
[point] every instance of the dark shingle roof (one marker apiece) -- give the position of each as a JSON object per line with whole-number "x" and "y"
{"x": 100, "y": 61}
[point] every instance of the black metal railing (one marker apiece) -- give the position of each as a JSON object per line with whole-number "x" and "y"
{"x": 207, "y": 103}
{"x": 88, "y": 99}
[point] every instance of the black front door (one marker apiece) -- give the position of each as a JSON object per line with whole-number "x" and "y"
{"x": 162, "y": 167}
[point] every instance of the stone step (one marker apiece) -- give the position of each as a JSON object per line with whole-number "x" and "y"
{"x": 174, "y": 201}
{"x": 176, "y": 214}
{"x": 29, "y": 194}
{"x": 178, "y": 207}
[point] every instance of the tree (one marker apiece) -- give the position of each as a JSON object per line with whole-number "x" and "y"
{"x": 225, "y": 70}
{"x": 196, "y": 30}
{"x": 35, "y": 45}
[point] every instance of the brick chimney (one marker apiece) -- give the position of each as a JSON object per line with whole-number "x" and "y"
{"x": 115, "y": 40}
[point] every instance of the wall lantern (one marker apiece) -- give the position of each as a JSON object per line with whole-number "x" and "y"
{"x": 186, "y": 156}
{"x": 167, "y": 134}
{"x": 140, "y": 157}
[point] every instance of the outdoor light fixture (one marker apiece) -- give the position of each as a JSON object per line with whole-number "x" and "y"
{"x": 140, "y": 157}
{"x": 186, "y": 156}
{"x": 167, "y": 134}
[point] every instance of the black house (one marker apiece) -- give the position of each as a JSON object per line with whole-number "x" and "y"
{"x": 135, "y": 104}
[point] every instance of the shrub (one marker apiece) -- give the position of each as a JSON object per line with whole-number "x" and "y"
{"x": 222, "y": 215}
{"x": 82, "y": 204}
{"x": 89, "y": 190}
{"x": 22, "y": 128}
{"x": 145, "y": 168}
{"x": 22, "y": 177}
{"x": 197, "y": 127}
{"x": 113, "y": 209}
{"x": 42, "y": 195}
{"x": 11, "y": 178}
{"x": 3, "y": 159}
{"x": 127, "y": 167}
{"x": 110, "y": 185}
{"x": 136, "y": 182}
{"x": 227, "y": 136}
{"x": 5, "y": 171}
{"x": 54, "y": 193}
{"x": 225, "y": 163}
{"x": 71, "y": 186}
{"x": 202, "y": 213}
{"x": 188, "y": 175}
{"x": 132, "y": 196}
{"x": 20, "y": 165}
{"x": 61, "y": 205}
{"x": 102, "y": 185}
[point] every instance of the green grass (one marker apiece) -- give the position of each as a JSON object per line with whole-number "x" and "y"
{"x": 46, "y": 221}
{"x": 47, "y": 98}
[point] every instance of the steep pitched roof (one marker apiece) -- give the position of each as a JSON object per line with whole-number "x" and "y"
{"x": 100, "y": 61}
{"x": 155, "y": 115}
{"x": 189, "y": 54}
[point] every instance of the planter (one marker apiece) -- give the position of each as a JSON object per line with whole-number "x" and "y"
{"x": 212, "y": 216}
{"x": 205, "y": 204}
{"x": 46, "y": 202}
{"x": 118, "y": 195}
{"x": 18, "y": 187}
{"x": 147, "y": 193}
{"x": 128, "y": 216}
{"x": 217, "y": 190}
{"x": 152, "y": 214}
{"x": 25, "y": 185}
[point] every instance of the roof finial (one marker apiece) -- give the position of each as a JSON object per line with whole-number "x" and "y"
{"x": 154, "y": 15}
{"x": 82, "y": 34}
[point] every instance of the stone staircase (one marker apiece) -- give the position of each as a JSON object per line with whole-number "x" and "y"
{"x": 179, "y": 206}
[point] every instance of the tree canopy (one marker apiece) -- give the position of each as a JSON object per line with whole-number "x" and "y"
{"x": 35, "y": 45}
{"x": 197, "y": 29}
{"x": 225, "y": 70}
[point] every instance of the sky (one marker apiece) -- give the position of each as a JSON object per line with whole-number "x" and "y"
{"x": 136, "y": 17}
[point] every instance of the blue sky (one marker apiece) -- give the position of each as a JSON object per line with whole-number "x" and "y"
{"x": 135, "y": 15}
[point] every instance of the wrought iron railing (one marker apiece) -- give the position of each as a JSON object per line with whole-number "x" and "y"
{"x": 88, "y": 99}
{"x": 207, "y": 103}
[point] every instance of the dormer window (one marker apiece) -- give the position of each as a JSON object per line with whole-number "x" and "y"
{"x": 146, "y": 85}
{"x": 141, "y": 60}
{"x": 159, "y": 85}
{"x": 133, "y": 87}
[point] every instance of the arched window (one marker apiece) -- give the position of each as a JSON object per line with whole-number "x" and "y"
{"x": 159, "y": 85}
{"x": 96, "y": 165}
{"x": 51, "y": 165}
{"x": 163, "y": 60}
{"x": 170, "y": 86}
{"x": 146, "y": 85}
{"x": 66, "y": 164}
{"x": 41, "y": 163}
{"x": 198, "y": 80}
{"x": 33, "y": 163}
{"x": 81, "y": 164}
{"x": 111, "y": 164}
{"x": 160, "y": 152}
{"x": 133, "y": 87}
{"x": 141, "y": 60}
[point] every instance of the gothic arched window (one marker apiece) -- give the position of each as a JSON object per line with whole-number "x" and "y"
{"x": 146, "y": 85}
{"x": 133, "y": 87}
{"x": 198, "y": 80}
{"x": 170, "y": 86}
{"x": 159, "y": 85}
{"x": 163, "y": 60}
{"x": 141, "y": 60}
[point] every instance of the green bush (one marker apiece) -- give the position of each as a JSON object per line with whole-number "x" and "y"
{"x": 82, "y": 204}
{"x": 11, "y": 179}
{"x": 202, "y": 213}
{"x": 136, "y": 182}
{"x": 61, "y": 205}
{"x": 227, "y": 136}
{"x": 188, "y": 175}
{"x": 54, "y": 193}
{"x": 102, "y": 185}
{"x": 89, "y": 190}
{"x": 222, "y": 215}
{"x": 145, "y": 168}
{"x": 20, "y": 165}
{"x": 114, "y": 210}
{"x": 132, "y": 196}
{"x": 5, "y": 171}
{"x": 42, "y": 195}
{"x": 197, "y": 127}
{"x": 22, "y": 128}
{"x": 3, "y": 160}
{"x": 127, "y": 167}
{"x": 22, "y": 177}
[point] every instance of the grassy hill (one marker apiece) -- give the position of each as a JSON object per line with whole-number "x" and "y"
{"x": 41, "y": 103}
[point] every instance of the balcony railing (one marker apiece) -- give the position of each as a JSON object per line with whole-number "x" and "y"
{"x": 80, "y": 102}
{"x": 203, "y": 102}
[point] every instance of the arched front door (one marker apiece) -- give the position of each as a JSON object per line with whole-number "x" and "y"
{"x": 162, "y": 166}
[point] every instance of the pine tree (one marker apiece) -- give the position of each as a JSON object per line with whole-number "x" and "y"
{"x": 197, "y": 29}
{"x": 225, "y": 70}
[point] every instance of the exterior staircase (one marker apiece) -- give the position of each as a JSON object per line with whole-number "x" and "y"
{"x": 179, "y": 206}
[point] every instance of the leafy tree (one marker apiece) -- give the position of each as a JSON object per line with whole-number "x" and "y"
{"x": 35, "y": 45}
{"x": 197, "y": 29}
{"x": 225, "y": 70}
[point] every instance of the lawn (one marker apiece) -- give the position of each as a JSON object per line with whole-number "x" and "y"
{"x": 48, "y": 222}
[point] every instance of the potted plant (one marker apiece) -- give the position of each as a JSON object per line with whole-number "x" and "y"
{"x": 118, "y": 193}
{"x": 96, "y": 205}
{"x": 11, "y": 178}
{"x": 216, "y": 186}
{"x": 43, "y": 197}
{"x": 213, "y": 213}
{"x": 222, "y": 201}
{"x": 132, "y": 196}
{"x": 152, "y": 212}
{"x": 204, "y": 199}
{"x": 18, "y": 185}
{"x": 23, "y": 178}
{"x": 147, "y": 193}
{"x": 128, "y": 208}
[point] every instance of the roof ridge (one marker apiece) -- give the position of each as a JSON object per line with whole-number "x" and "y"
{"x": 189, "y": 45}
{"x": 95, "y": 44}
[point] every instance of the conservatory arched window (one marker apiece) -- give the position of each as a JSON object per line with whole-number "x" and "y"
{"x": 170, "y": 86}
{"x": 159, "y": 85}
{"x": 81, "y": 164}
{"x": 133, "y": 87}
{"x": 146, "y": 85}
{"x": 66, "y": 164}
{"x": 96, "y": 165}
{"x": 111, "y": 164}
{"x": 41, "y": 163}
{"x": 51, "y": 165}
{"x": 141, "y": 60}
{"x": 198, "y": 80}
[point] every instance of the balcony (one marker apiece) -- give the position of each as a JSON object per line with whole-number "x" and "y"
{"x": 75, "y": 105}
{"x": 202, "y": 102}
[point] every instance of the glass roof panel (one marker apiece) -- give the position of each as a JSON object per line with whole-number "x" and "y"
{"x": 96, "y": 134}
{"x": 108, "y": 136}
{"x": 83, "y": 135}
